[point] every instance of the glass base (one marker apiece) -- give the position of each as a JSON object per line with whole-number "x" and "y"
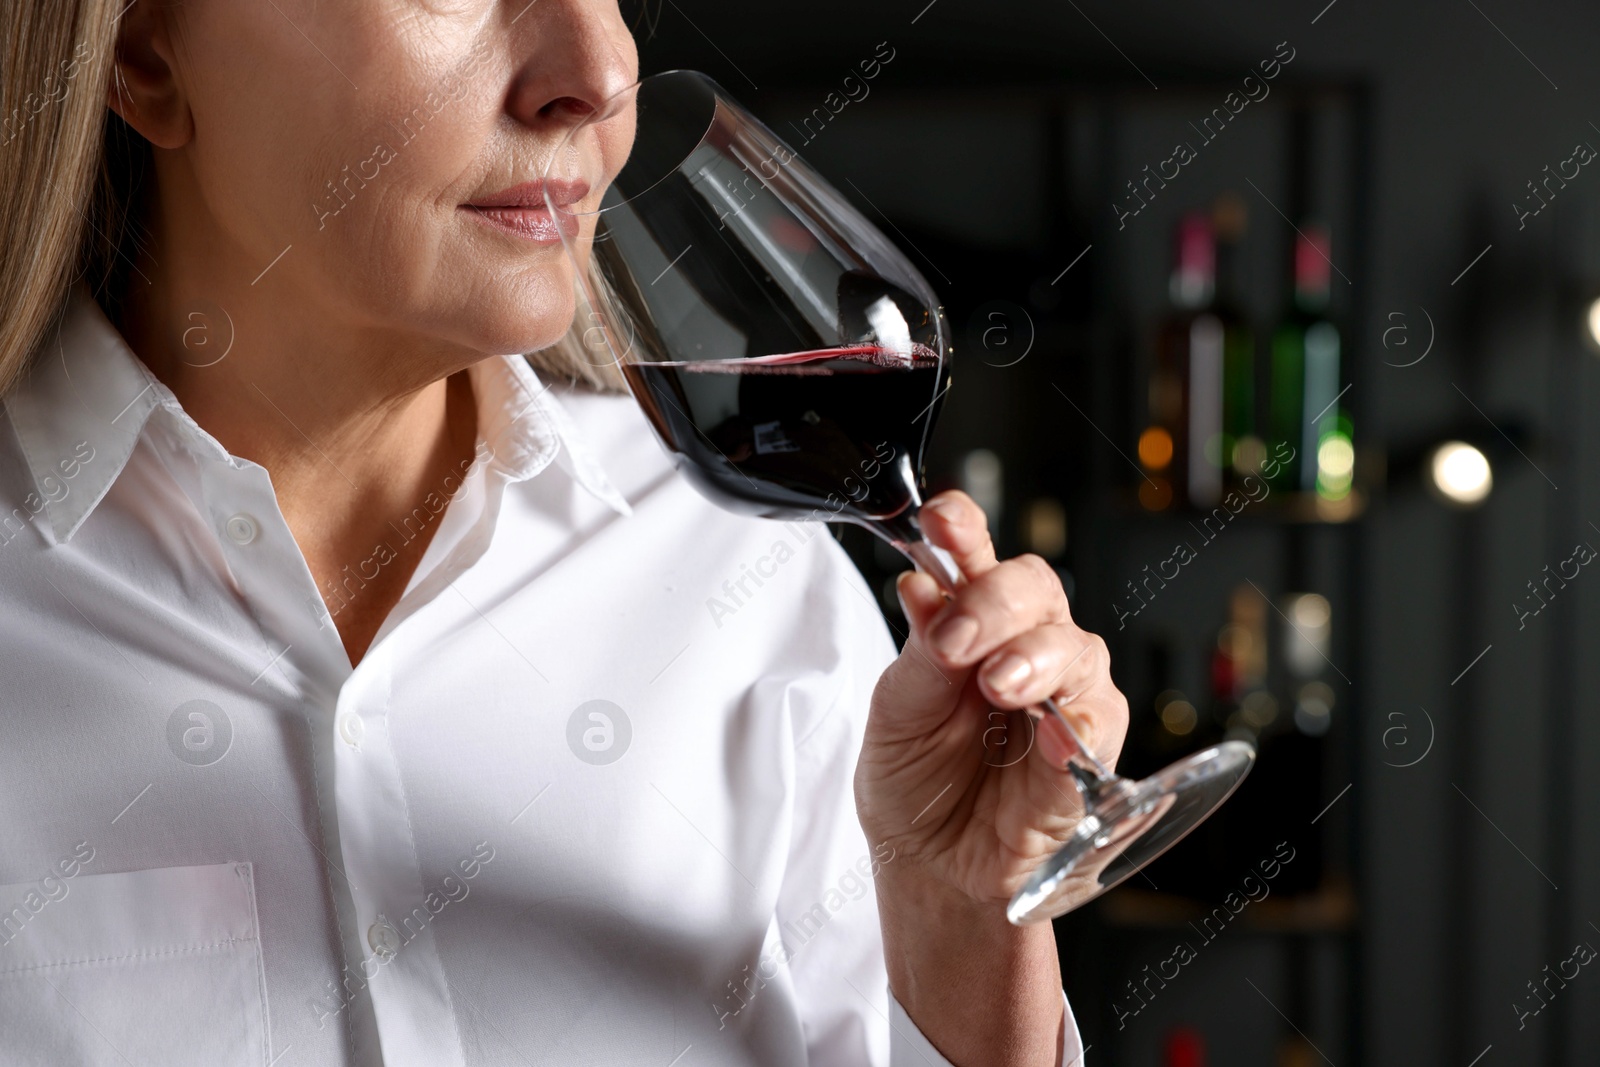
{"x": 1129, "y": 824}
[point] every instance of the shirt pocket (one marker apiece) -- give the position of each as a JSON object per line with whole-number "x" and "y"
{"x": 158, "y": 966}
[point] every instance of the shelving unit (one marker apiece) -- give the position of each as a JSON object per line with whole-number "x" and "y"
{"x": 1330, "y": 910}
{"x": 1301, "y": 948}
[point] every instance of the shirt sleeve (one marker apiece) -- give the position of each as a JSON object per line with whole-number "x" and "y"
{"x": 908, "y": 1048}
{"x": 827, "y": 909}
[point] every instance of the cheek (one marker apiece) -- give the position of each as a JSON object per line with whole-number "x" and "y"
{"x": 617, "y": 141}
{"x": 363, "y": 186}
{"x": 404, "y": 250}
{"x": 254, "y": 161}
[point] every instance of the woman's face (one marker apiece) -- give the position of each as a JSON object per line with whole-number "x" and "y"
{"x": 389, "y": 146}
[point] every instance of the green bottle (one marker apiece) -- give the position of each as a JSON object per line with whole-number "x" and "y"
{"x": 1304, "y": 408}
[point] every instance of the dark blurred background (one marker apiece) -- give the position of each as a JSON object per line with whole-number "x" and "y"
{"x": 1412, "y": 662}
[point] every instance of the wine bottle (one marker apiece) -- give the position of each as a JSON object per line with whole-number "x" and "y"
{"x": 1239, "y": 664}
{"x": 1305, "y": 378}
{"x": 1239, "y": 449}
{"x": 1186, "y": 385}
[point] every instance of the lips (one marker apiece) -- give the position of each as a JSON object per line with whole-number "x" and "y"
{"x": 522, "y": 211}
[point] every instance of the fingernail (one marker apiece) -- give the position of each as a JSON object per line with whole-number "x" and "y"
{"x": 943, "y": 505}
{"x": 1008, "y": 674}
{"x": 954, "y": 636}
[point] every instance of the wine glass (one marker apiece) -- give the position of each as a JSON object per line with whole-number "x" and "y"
{"x": 792, "y": 361}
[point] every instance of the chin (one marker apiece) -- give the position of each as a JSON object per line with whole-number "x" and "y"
{"x": 519, "y": 315}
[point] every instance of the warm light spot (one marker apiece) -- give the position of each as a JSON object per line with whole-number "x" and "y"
{"x": 1310, "y": 611}
{"x": 1249, "y": 454}
{"x": 1259, "y": 709}
{"x": 1155, "y": 494}
{"x": 1460, "y": 473}
{"x": 1179, "y": 717}
{"x": 1045, "y": 527}
{"x": 1155, "y": 448}
{"x": 1235, "y": 642}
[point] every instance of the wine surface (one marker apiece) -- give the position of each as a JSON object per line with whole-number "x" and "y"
{"x": 830, "y": 433}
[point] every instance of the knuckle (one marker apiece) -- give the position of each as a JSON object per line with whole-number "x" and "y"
{"x": 1119, "y": 707}
{"x": 1045, "y": 578}
{"x": 1040, "y": 569}
{"x": 1012, "y": 596}
{"x": 1100, "y": 653}
{"x": 1087, "y": 657}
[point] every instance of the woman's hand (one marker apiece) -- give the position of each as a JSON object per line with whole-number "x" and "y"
{"x": 972, "y": 795}
{"x": 945, "y": 777}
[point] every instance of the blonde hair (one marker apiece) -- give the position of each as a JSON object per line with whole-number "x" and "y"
{"x": 72, "y": 170}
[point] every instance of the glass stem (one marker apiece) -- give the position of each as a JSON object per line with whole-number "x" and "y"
{"x": 905, "y": 534}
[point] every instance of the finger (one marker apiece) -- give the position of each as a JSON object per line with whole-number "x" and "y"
{"x": 1100, "y": 719}
{"x": 1056, "y": 660}
{"x": 1052, "y": 741}
{"x": 920, "y": 599}
{"x": 914, "y": 694}
{"x": 1011, "y": 599}
{"x": 956, "y": 524}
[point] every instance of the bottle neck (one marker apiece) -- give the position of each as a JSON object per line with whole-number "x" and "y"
{"x": 1193, "y": 289}
{"x": 1194, "y": 274}
{"x": 1313, "y": 270}
{"x": 1311, "y": 300}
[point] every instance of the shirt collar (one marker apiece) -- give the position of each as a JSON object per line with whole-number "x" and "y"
{"x": 85, "y": 400}
{"x": 523, "y": 427}
{"x": 86, "y": 395}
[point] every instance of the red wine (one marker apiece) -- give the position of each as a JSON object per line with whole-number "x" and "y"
{"x": 800, "y": 435}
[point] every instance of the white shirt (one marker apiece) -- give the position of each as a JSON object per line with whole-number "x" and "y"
{"x": 568, "y": 809}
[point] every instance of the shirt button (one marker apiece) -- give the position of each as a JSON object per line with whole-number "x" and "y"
{"x": 241, "y": 529}
{"x": 383, "y": 939}
{"x": 352, "y": 728}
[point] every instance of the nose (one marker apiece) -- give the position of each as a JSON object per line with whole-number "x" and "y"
{"x": 573, "y": 55}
